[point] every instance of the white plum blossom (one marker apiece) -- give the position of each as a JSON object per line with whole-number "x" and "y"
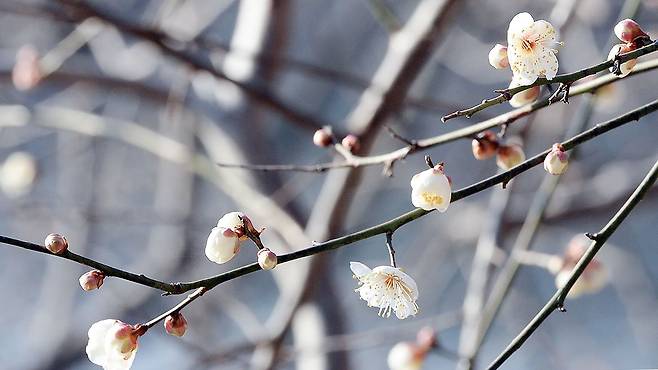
{"x": 406, "y": 356}
{"x": 498, "y": 57}
{"x": 523, "y": 97}
{"x": 233, "y": 221}
{"x": 17, "y": 174}
{"x": 112, "y": 344}
{"x": 387, "y": 288}
{"x": 222, "y": 245}
{"x": 531, "y": 49}
{"x": 431, "y": 189}
{"x": 556, "y": 161}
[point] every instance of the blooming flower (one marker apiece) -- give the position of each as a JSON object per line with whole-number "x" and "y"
{"x": 112, "y": 344}
{"x": 509, "y": 156}
{"x": 222, "y": 245}
{"x": 530, "y": 49}
{"x": 387, "y": 288}
{"x": 406, "y": 356}
{"x": 92, "y": 280}
{"x": 556, "y": 161}
{"x": 431, "y": 189}
{"x": 175, "y": 324}
{"x": 627, "y": 67}
{"x": 593, "y": 278}
{"x": 498, "y": 57}
{"x": 523, "y": 97}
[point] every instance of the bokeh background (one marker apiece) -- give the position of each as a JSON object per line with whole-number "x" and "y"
{"x": 120, "y": 135}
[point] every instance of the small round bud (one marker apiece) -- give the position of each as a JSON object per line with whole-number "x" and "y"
{"x": 322, "y": 137}
{"x": 628, "y": 30}
{"x": 27, "y": 71}
{"x": 56, "y": 243}
{"x": 426, "y": 338}
{"x": 624, "y": 68}
{"x": 556, "y": 161}
{"x": 485, "y": 145}
{"x": 351, "y": 143}
{"x": 92, "y": 280}
{"x": 509, "y": 156}
{"x": 267, "y": 259}
{"x": 406, "y": 356}
{"x": 498, "y": 57}
{"x": 175, "y": 324}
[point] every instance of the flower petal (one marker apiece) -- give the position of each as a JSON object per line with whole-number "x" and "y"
{"x": 520, "y": 24}
{"x": 359, "y": 269}
{"x": 96, "y": 346}
{"x": 544, "y": 32}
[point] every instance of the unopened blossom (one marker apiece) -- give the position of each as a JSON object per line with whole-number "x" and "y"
{"x": 431, "y": 189}
{"x": 406, "y": 356}
{"x": 557, "y": 160}
{"x": 628, "y": 31}
{"x": 56, "y": 243}
{"x": 509, "y": 156}
{"x": 531, "y": 49}
{"x": 626, "y": 67}
{"x": 113, "y": 344}
{"x": 234, "y": 221}
{"x": 175, "y": 324}
{"x": 351, "y": 142}
{"x": 426, "y": 338}
{"x": 322, "y": 137}
{"x": 222, "y": 245}
{"x": 17, "y": 174}
{"x": 267, "y": 260}
{"x": 523, "y": 97}
{"x": 92, "y": 280}
{"x": 387, "y": 288}
{"x": 27, "y": 72}
{"x": 593, "y": 278}
{"x": 498, "y": 57}
{"x": 484, "y": 145}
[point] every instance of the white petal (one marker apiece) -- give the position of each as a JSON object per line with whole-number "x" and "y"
{"x": 219, "y": 248}
{"x": 117, "y": 362}
{"x": 544, "y": 32}
{"x": 230, "y": 220}
{"x": 359, "y": 269}
{"x": 408, "y": 280}
{"x": 547, "y": 63}
{"x": 96, "y": 345}
{"x": 520, "y": 24}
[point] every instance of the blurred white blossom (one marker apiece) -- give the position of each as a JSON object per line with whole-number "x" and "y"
{"x": 17, "y": 174}
{"x": 387, "y": 288}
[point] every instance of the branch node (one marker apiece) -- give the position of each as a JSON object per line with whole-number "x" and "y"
{"x": 428, "y": 161}
{"x": 594, "y": 237}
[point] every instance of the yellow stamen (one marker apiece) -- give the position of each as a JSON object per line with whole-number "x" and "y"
{"x": 432, "y": 198}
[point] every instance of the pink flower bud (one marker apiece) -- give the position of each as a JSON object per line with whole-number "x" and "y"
{"x": 92, "y": 280}
{"x": 628, "y": 30}
{"x": 426, "y": 338}
{"x": 267, "y": 259}
{"x": 484, "y": 145}
{"x": 56, "y": 243}
{"x": 556, "y": 161}
{"x": 498, "y": 57}
{"x": 322, "y": 137}
{"x": 175, "y": 324}
{"x": 627, "y": 67}
{"x": 406, "y": 356}
{"x": 27, "y": 71}
{"x": 509, "y": 156}
{"x": 593, "y": 278}
{"x": 351, "y": 143}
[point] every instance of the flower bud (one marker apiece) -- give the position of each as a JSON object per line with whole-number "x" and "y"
{"x": 556, "y": 161}
{"x": 222, "y": 245}
{"x": 593, "y": 278}
{"x": 498, "y": 57}
{"x": 509, "y": 156}
{"x": 56, "y": 243}
{"x": 234, "y": 221}
{"x": 92, "y": 280}
{"x": 113, "y": 344}
{"x": 624, "y": 68}
{"x": 406, "y": 356}
{"x": 628, "y": 30}
{"x": 267, "y": 259}
{"x": 322, "y": 137}
{"x": 351, "y": 143}
{"x": 426, "y": 338}
{"x": 27, "y": 71}
{"x": 175, "y": 324}
{"x": 484, "y": 145}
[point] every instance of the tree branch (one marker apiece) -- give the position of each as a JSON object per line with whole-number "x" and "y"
{"x": 557, "y": 301}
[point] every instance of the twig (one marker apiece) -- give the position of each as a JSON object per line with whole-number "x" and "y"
{"x": 177, "y": 308}
{"x": 391, "y": 251}
{"x": 557, "y": 301}
{"x": 388, "y": 226}
{"x": 506, "y": 94}
{"x": 467, "y": 132}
